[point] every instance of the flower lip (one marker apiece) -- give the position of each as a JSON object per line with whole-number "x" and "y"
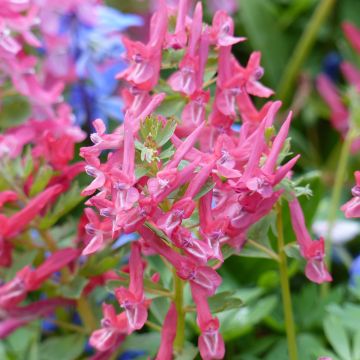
{"x": 91, "y": 170}
{"x": 355, "y": 191}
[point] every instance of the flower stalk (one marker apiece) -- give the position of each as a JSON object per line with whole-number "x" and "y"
{"x": 303, "y": 48}
{"x": 285, "y": 289}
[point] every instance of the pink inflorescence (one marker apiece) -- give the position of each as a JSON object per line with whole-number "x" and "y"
{"x": 341, "y": 117}
{"x": 191, "y": 184}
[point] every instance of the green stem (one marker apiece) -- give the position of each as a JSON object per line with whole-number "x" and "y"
{"x": 86, "y": 314}
{"x": 285, "y": 290}
{"x": 264, "y": 249}
{"x": 336, "y": 191}
{"x": 153, "y": 326}
{"x": 67, "y": 326}
{"x": 303, "y": 48}
{"x": 179, "y": 304}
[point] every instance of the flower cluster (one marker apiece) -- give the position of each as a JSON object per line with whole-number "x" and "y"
{"x": 183, "y": 175}
{"x": 345, "y": 119}
{"x": 37, "y": 170}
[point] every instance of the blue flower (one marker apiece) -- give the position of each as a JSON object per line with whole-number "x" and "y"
{"x": 96, "y": 50}
{"x": 131, "y": 354}
{"x": 355, "y": 270}
{"x": 331, "y": 66}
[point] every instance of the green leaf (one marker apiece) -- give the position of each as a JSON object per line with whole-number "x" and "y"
{"x": 148, "y": 342}
{"x": 260, "y": 19}
{"x": 188, "y": 353}
{"x": 14, "y": 110}
{"x": 171, "y": 106}
{"x": 292, "y": 250}
{"x": 66, "y": 202}
{"x": 356, "y": 346}
{"x": 66, "y": 347}
{"x": 208, "y": 186}
{"x": 42, "y": 178}
{"x": 260, "y": 230}
{"x": 337, "y": 336}
{"x": 159, "y": 308}
{"x": 98, "y": 267}
{"x": 20, "y": 342}
{"x": 28, "y": 163}
{"x": 166, "y": 133}
{"x": 234, "y": 323}
{"x": 74, "y": 288}
{"x": 19, "y": 261}
{"x": 226, "y": 300}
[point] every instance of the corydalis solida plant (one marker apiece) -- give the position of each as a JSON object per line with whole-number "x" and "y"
{"x": 191, "y": 185}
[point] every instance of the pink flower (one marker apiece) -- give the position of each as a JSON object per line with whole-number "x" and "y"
{"x": 112, "y": 328}
{"x": 339, "y": 113}
{"x": 211, "y": 344}
{"x": 145, "y": 60}
{"x": 168, "y": 335}
{"x": 7, "y": 196}
{"x": 352, "y": 207}
{"x": 179, "y": 38}
{"x": 27, "y": 279}
{"x": 312, "y": 251}
{"x": 132, "y": 299}
{"x": 180, "y": 210}
{"x": 99, "y": 232}
{"x": 185, "y": 80}
{"x": 16, "y": 317}
{"x": 353, "y": 35}
{"x": 222, "y": 30}
{"x": 18, "y": 222}
{"x": 351, "y": 73}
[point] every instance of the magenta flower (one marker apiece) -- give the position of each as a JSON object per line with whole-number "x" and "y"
{"x": 145, "y": 60}
{"x": 28, "y": 279}
{"x": 352, "y": 207}
{"x": 339, "y": 114}
{"x": 185, "y": 80}
{"x": 18, "y": 222}
{"x": 113, "y": 328}
{"x": 211, "y": 344}
{"x": 16, "y": 317}
{"x": 168, "y": 335}
{"x": 352, "y": 34}
{"x": 7, "y": 196}
{"x": 132, "y": 299}
{"x": 312, "y": 251}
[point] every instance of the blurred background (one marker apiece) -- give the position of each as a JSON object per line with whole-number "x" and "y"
{"x": 298, "y": 39}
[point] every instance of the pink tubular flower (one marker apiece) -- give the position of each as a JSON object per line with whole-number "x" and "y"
{"x": 211, "y": 344}
{"x": 21, "y": 219}
{"x": 179, "y": 38}
{"x": 312, "y": 251}
{"x": 27, "y": 279}
{"x": 339, "y": 113}
{"x": 99, "y": 232}
{"x": 112, "y": 328}
{"x": 185, "y": 80}
{"x": 352, "y": 34}
{"x": 145, "y": 60}
{"x": 222, "y": 30}
{"x": 168, "y": 335}
{"x": 132, "y": 299}
{"x": 16, "y": 317}
{"x": 7, "y": 196}
{"x": 352, "y": 207}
